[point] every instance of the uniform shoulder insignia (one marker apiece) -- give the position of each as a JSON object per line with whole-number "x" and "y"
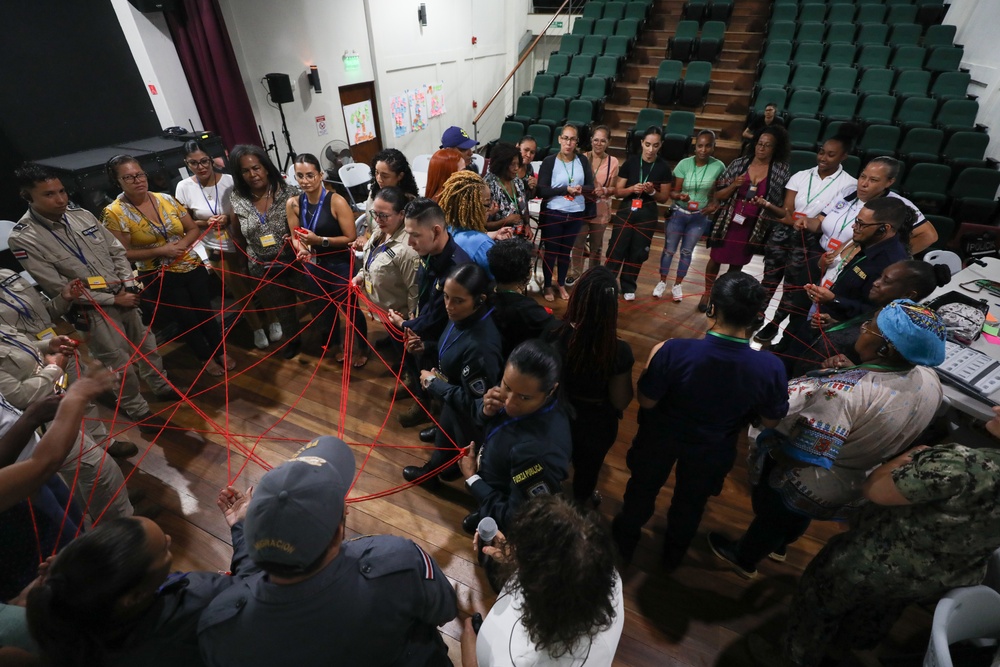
{"x": 530, "y": 479}
{"x": 74, "y": 207}
{"x": 386, "y": 554}
{"x": 19, "y": 226}
{"x": 9, "y": 280}
{"x": 20, "y": 254}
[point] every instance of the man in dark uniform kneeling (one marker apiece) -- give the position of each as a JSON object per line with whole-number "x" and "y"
{"x": 322, "y": 600}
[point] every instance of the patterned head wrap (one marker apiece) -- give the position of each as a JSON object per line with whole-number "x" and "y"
{"x": 914, "y": 330}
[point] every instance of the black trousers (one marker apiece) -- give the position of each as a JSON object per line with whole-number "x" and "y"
{"x": 594, "y": 431}
{"x": 701, "y": 470}
{"x": 629, "y": 246}
{"x": 774, "y": 526}
{"x": 186, "y": 298}
{"x": 329, "y": 285}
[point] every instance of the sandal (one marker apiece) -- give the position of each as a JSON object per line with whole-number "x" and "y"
{"x": 214, "y": 369}
{"x": 359, "y": 362}
{"x": 226, "y": 361}
{"x": 563, "y": 294}
{"x": 548, "y": 294}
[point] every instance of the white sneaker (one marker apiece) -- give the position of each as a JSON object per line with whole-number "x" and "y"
{"x": 629, "y": 296}
{"x": 677, "y": 292}
{"x": 275, "y": 332}
{"x": 259, "y": 339}
{"x": 660, "y": 288}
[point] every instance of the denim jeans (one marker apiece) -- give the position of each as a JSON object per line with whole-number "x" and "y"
{"x": 691, "y": 227}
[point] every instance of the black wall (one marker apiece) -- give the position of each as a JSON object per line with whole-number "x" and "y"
{"x": 68, "y": 83}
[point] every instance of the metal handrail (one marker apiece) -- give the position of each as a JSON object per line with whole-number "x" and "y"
{"x": 475, "y": 121}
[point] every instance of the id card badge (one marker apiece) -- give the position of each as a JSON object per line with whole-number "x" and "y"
{"x": 369, "y": 286}
{"x": 799, "y": 215}
{"x": 267, "y": 240}
{"x": 834, "y": 244}
{"x": 569, "y": 198}
{"x": 827, "y": 283}
{"x": 739, "y": 218}
{"x": 97, "y": 282}
{"x": 636, "y": 204}
{"x": 46, "y": 334}
{"x": 692, "y": 205}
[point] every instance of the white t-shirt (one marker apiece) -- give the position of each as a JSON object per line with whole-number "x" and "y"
{"x": 203, "y": 203}
{"x": 840, "y": 215}
{"x": 503, "y": 641}
{"x": 813, "y": 193}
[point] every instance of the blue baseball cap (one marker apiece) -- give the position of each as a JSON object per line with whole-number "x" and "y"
{"x": 456, "y": 137}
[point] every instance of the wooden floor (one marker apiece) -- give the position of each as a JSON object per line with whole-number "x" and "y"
{"x": 697, "y": 616}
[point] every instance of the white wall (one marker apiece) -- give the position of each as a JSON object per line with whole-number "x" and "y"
{"x": 153, "y": 49}
{"x": 976, "y": 22}
{"x": 287, "y": 37}
{"x": 395, "y": 52}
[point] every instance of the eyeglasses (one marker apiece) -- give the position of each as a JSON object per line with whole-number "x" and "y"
{"x": 867, "y": 328}
{"x": 571, "y": 140}
{"x": 382, "y": 217}
{"x": 862, "y": 225}
{"x": 204, "y": 162}
{"x": 134, "y": 178}
{"x": 306, "y": 176}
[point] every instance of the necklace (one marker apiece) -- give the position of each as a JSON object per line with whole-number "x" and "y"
{"x": 261, "y": 195}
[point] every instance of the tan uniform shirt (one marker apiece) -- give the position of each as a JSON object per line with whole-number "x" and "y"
{"x": 78, "y": 246}
{"x": 389, "y": 271}
{"x": 24, "y": 376}
{"x": 24, "y": 309}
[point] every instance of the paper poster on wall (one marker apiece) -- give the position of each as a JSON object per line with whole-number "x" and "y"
{"x": 399, "y": 107}
{"x": 435, "y": 94}
{"x": 360, "y": 124}
{"x": 418, "y": 109}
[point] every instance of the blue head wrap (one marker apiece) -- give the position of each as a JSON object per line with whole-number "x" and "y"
{"x": 914, "y": 330}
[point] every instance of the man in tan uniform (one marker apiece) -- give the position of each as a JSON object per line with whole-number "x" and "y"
{"x": 57, "y": 244}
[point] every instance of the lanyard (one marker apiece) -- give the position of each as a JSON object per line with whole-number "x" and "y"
{"x": 879, "y": 367}
{"x": 303, "y": 206}
{"x": 27, "y": 348}
{"x": 570, "y": 173}
{"x": 446, "y": 343}
{"x": 810, "y": 199}
{"x": 375, "y": 253}
{"x": 845, "y": 218}
{"x": 701, "y": 181}
{"x": 76, "y": 250}
{"x": 159, "y": 226}
{"x": 723, "y": 336}
{"x": 642, "y": 181}
{"x": 213, "y": 209}
{"x": 489, "y": 436}
{"x": 22, "y": 307}
{"x": 849, "y": 323}
{"x": 513, "y": 200}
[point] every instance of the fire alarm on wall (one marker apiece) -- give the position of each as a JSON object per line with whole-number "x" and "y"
{"x": 474, "y": 40}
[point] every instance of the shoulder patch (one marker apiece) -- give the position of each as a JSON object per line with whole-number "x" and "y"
{"x": 530, "y": 479}
{"x": 10, "y": 280}
{"x": 20, "y": 254}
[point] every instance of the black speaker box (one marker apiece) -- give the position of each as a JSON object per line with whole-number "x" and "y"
{"x": 147, "y": 6}
{"x": 280, "y": 88}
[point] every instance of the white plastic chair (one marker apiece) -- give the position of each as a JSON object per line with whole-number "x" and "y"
{"x": 480, "y": 162}
{"x": 361, "y": 226}
{"x": 992, "y": 578}
{"x": 6, "y": 226}
{"x": 946, "y": 257}
{"x": 421, "y": 163}
{"x": 421, "y": 178}
{"x": 352, "y": 175}
{"x": 964, "y": 613}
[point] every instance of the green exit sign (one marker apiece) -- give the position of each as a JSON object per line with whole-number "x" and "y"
{"x": 557, "y": 24}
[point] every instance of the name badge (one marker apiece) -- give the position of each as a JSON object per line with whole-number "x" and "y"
{"x": 636, "y": 204}
{"x": 267, "y": 240}
{"x": 97, "y": 282}
{"x": 570, "y": 198}
{"x": 46, "y": 334}
{"x": 739, "y": 218}
{"x": 692, "y": 205}
{"x": 828, "y": 283}
{"x": 799, "y": 215}
{"x": 368, "y": 286}
{"x": 834, "y": 244}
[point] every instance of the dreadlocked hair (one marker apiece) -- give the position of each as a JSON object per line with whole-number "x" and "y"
{"x": 591, "y": 322}
{"x": 462, "y": 201}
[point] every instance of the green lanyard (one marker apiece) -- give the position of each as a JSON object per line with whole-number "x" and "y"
{"x": 723, "y": 336}
{"x": 844, "y": 325}
{"x": 704, "y": 173}
{"x": 511, "y": 197}
{"x": 810, "y": 199}
{"x": 879, "y": 367}
{"x": 845, "y": 218}
{"x": 642, "y": 181}
{"x": 570, "y": 173}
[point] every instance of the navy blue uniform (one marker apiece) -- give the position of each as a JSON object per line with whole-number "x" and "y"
{"x": 708, "y": 390}
{"x": 856, "y": 279}
{"x": 521, "y": 457}
{"x": 471, "y": 359}
{"x": 430, "y": 319}
{"x": 378, "y": 603}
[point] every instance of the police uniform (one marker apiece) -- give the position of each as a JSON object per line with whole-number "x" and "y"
{"x": 78, "y": 246}
{"x": 166, "y": 634}
{"x": 378, "y": 602}
{"x": 470, "y": 361}
{"x": 857, "y": 277}
{"x": 521, "y": 457}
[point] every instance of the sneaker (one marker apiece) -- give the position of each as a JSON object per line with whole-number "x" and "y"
{"x": 629, "y": 296}
{"x": 660, "y": 288}
{"x": 260, "y": 338}
{"x": 726, "y": 550}
{"x": 570, "y": 280}
{"x": 677, "y": 292}
{"x": 767, "y": 333}
{"x": 779, "y": 555}
{"x": 275, "y": 332}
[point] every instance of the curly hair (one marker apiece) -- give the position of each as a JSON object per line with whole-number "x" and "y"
{"x": 562, "y": 563}
{"x": 591, "y": 323}
{"x": 443, "y": 164}
{"x": 397, "y": 163}
{"x": 780, "y": 136}
{"x": 510, "y": 260}
{"x": 501, "y": 157}
{"x": 462, "y": 202}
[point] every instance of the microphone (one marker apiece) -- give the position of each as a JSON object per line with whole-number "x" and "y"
{"x": 487, "y": 530}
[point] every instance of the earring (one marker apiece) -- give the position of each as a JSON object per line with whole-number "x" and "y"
{"x": 710, "y": 311}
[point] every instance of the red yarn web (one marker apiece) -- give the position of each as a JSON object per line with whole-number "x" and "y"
{"x": 346, "y": 299}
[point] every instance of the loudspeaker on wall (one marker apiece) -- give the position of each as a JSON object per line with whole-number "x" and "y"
{"x": 280, "y": 88}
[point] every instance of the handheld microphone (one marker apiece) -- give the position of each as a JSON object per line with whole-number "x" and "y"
{"x": 487, "y": 530}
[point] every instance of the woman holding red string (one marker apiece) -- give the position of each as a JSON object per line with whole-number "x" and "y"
{"x": 157, "y": 234}
{"x": 322, "y": 227}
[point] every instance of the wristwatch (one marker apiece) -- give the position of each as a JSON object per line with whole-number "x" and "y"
{"x": 326, "y": 242}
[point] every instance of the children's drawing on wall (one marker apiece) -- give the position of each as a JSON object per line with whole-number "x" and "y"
{"x": 418, "y": 109}
{"x": 399, "y": 107}
{"x": 360, "y": 122}
{"x": 435, "y": 92}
